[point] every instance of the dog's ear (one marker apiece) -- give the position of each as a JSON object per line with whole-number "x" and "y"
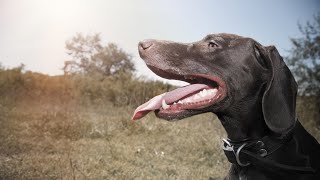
{"x": 279, "y": 99}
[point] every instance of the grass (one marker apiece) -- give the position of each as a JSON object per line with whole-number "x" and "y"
{"x": 48, "y": 141}
{"x": 54, "y": 142}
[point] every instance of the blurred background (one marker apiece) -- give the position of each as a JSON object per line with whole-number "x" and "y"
{"x": 71, "y": 76}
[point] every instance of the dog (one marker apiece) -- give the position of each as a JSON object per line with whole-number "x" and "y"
{"x": 252, "y": 92}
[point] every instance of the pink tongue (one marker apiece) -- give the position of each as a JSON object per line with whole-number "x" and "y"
{"x": 169, "y": 97}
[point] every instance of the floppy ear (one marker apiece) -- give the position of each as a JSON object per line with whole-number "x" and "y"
{"x": 279, "y": 99}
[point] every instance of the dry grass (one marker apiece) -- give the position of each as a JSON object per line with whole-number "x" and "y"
{"x": 48, "y": 141}
{"x": 54, "y": 142}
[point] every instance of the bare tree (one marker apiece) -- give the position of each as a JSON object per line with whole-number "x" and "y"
{"x": 89, "y": 55}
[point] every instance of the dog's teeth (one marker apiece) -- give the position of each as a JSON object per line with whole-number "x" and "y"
{"x": 213, "y": 92}
{"x": 203, "y": 93}
{"x": 164, "y": 104}
{"x": 210, "y": 91}
{"x": 196, "y": 97}
{"x": 179, "y": 102}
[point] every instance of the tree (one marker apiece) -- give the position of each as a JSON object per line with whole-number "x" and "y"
{"x": 89, "y": 55}
{"x": 304, "y": 60}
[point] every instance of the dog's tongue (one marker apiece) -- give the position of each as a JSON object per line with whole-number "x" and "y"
{"x": 169, "y": 97}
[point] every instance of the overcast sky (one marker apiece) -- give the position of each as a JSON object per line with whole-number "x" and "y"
{"x": 33, "y": 32}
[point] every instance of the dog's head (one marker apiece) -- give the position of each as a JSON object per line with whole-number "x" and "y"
{"x": 229, "y": 75}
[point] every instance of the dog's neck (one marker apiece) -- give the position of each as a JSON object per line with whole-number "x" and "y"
{"x": 243, "y": 120}
{"x": 243, "y": 124}
{"x": 238, "y": 132}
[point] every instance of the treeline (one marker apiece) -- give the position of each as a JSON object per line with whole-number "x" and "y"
{"x": 122, "y": 89}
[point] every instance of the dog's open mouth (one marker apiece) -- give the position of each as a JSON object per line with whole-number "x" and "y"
{"x": 203, "y": 91}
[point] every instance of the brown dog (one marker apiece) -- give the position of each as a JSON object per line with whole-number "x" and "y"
{"x": 253, "y": 93}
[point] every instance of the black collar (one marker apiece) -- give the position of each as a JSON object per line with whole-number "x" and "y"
{"x": 257, "y": 152}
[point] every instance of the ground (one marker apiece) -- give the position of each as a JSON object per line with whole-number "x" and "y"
{"x": 48, "y": 141}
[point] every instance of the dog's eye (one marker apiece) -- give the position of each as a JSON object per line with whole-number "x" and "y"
{"x": 212, "y": 44}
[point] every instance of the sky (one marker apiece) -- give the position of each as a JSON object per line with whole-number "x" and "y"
{"x": 34, "y": 32}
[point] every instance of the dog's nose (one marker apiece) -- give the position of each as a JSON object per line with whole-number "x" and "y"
{"x": 145, "y": 44}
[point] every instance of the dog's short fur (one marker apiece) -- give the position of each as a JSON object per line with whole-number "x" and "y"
{"x": 260, "y": 97}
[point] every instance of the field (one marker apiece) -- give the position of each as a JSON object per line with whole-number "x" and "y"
{"x": 48, "y": 141}
{"x": 45, "y": 142}
{"x": 70, "y": 127}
